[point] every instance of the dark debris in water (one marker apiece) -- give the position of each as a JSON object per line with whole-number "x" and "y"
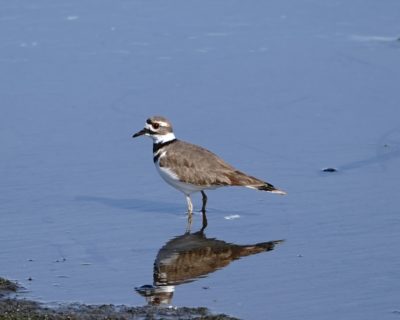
{"x": 330, "y": 169}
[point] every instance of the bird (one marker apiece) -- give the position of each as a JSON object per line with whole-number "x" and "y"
{"x": 191, "y": 168}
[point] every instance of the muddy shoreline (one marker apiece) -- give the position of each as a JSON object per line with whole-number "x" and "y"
{"x": 14, "y": 308}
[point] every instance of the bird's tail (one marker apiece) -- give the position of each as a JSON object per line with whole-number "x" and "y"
{"x": 247, "y": 250}
{"x": 238, "y": 178}
{"x": 270, "y": 188}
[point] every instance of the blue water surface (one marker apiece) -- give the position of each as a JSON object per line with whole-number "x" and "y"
{"x": 280, "y": 89}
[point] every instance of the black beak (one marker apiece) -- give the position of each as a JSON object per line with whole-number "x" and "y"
{"x": 141, "y": 132}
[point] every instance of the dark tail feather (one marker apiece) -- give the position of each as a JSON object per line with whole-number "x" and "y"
{"x": 270, "y": 188}
{"x": 239, "y": 178}
{"x": 258, "y": 247}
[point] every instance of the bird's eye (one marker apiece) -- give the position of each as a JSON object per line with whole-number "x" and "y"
{"x": 156, "y": 125}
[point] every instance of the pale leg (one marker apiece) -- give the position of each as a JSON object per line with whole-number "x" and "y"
{"x": 189, "y": 204}
{"x": 190, "y": 211}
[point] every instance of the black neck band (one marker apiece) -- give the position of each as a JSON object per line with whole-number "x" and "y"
{"x": 158, "y": 146}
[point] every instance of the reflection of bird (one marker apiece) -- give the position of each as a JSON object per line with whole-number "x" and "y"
{"x": 190, "y": 168}
{"x": 190, "y": 256}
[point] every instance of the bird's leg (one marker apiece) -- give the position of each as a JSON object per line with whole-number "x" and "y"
{"x": 190, "y": 212}
{"x": 203, "y": 211}
{"x": 189, "y": 204}
{"x": 203, "y": 208}
{"x": 205, "y": 223}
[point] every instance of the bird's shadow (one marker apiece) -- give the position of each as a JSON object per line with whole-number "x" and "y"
{"x": 148, "y": 206}
{"x": 132, "y": 204}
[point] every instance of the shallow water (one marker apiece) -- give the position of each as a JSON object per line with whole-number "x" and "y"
{"x": 279, "y": 89}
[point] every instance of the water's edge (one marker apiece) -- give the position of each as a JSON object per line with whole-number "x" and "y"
{"x": 16, "y": 308}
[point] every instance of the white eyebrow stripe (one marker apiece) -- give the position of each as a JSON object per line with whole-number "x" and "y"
{"x": 162, "y": 123}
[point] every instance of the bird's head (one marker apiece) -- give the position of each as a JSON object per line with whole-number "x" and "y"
{"x": 158, "y": 128}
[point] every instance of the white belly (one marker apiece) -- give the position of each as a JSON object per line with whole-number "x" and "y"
{"x": 172, "y": 179}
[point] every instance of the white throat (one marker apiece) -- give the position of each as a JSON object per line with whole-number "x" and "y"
{"x": 165, "y": 289}
{"x": 163, "y": 138}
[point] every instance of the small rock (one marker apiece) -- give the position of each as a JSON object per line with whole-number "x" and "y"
{"x": 329, "y": 170}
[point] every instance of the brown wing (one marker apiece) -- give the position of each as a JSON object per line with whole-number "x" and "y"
{"x": 200, "y": 166}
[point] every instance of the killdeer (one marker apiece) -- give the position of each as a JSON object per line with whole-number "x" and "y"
{"x": 191, "y": 168}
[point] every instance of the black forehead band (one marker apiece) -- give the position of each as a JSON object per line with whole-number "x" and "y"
{"x": 148, "y": 121}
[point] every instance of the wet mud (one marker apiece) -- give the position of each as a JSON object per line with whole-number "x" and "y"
{"x": 14, "y": 308}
